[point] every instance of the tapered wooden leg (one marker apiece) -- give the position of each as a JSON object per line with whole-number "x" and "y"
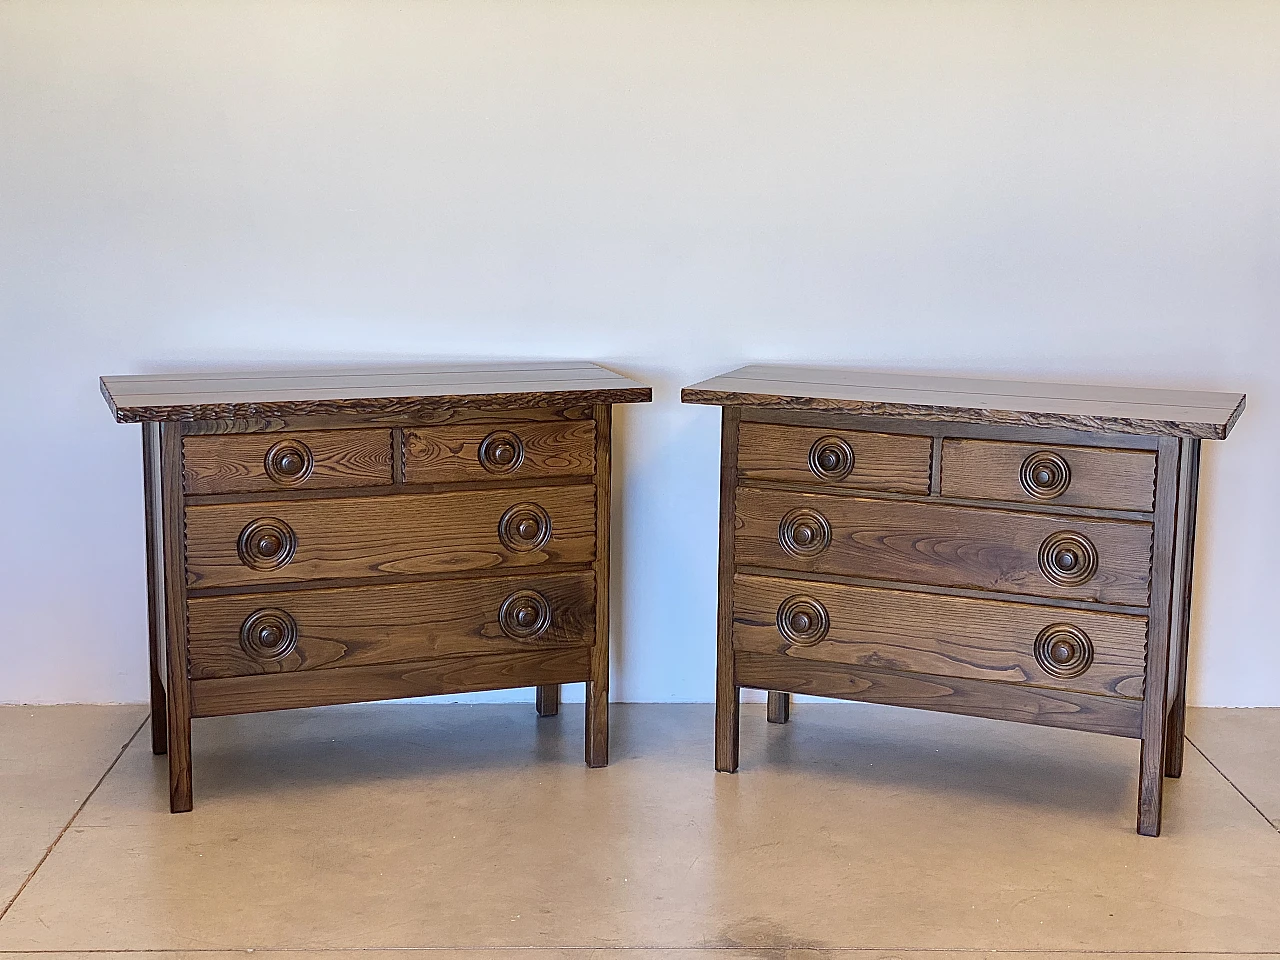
{"x": 779, "y": 710}
{"x": 175, "y": 595}
{"x": 1188, "y": 493}
{"x": 598, "y": 685}
{"x": 726, "y": 682}
{"x": 547, "y": 699}
{"x": 152, "y": 511}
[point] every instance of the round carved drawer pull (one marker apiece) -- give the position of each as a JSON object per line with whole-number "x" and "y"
{"x": 1068, "y": 559}
{"x": 524, "y": 527}
{"x": 803, "y": 620}
{"x": 266, "y": 544}
{"x": 804, "y": 533}
{"x": 525, "y": 615}
{"x": 1045, "y": 475}
{"x": 1064, "y": 650}
{"x": 289, "y": 462}
{"x": 830, "y": 458}
{"x": 268, "y": 634}
{"x": 501, "y": 452}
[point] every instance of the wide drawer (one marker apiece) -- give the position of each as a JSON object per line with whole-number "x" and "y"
{"x": 943, "y": 636}
{"x": 280, "y": 632}
{"x": 1030, "y": 473}
{"x": 838, "y": 458}
{"x": 1105, "y": 561}
{"x": 515, "y": 451}
{"x": 246, "y": 544}
{"x": 266, "y": 462}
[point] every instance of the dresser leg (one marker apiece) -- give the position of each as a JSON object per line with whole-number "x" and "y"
{"x": 547, "y": 699}
{"x": 1188, "y": 493}
{"x": 155, "y": 582}
{"x": 179, "y": 764}
{"x": 598, "y": 685}
{"x": 178, "y": 708}
{"x": 1151, "y": 787}
{"x": 779, "y": 710}
{"x": 727, "y": 729}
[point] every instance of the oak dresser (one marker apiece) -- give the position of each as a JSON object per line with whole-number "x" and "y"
{"x": 330, "y": 536}
{"x": 1018, "y": 551}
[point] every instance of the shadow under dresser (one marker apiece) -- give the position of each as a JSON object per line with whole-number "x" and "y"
{"x": 331, "y": 536}
{"x": 1018, "y": 551}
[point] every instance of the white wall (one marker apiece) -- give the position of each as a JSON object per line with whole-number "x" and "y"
{"x": 1073, "y": 190}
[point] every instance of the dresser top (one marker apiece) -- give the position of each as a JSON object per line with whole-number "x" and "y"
{"x": 366, "y": 390}
{"x": 1182, "y": 413}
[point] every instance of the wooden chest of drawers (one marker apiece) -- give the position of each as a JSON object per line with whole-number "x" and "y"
{"x": 1008, "y": 550}
{"x": 321, "y": 537}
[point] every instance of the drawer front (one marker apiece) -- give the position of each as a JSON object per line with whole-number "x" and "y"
{"x": 1070, "y": 476}
{"x": 267, "y": 462}
{"x": 245, "y": 544}
{"x": 1078, "y": 650}
{"x": 1105, "y": 561}
{"x": 515, "y": 451}
{"x": 253, "y": 634}
{"x": 838, "y": 458}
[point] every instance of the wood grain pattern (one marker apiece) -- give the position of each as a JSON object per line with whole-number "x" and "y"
{"x": 1093, "y": 408}
{"x": 445, "y": 416}
{"x": 976, "y": 698}
{"x": 944, "y": 636}
{"x": 283, "y": 691}
{"x": 235, "y": 463}
{"x": 153, "y": 513}
{"x": 597, "y": 693}
{"x": 387, "y": 391}
{"x": 354, "y": 626}
{"x": 1183, "y": 562}
{"x": 727, "y": 699}
{"x": 178, "y": 706}
{"x": 546, "y": 699}
{"x": 989, "y": 470}
{"x": 898, "y": 463}
{"x": 778, "y": 708}
{"x": 557, "y": 448}
{"x": 969, "y": 547}
{"x": 394, "y": 534}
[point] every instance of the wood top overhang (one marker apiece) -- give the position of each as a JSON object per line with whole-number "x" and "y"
{"x": 389, "y": 391}
{"x": 1132, "y": 410}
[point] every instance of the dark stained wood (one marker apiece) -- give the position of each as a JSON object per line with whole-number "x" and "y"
{"x": 557, "y": 448}
{"x": 778, "y": 709}
{"x": 1154, "y": 704}
{"x": 727, "y": 698}
{"x": 974, "y": 548}
{"x": 352, "y": 626}
{"x": 465, "y": 674}
{"x": 386, "y": 391}
{"x": 894, "y": 462}
{"x": 597, "y": 694}
{"x": 1184, "y": 555}
{"x": 448, "y": 416}
{"x": 1092, "y": 408}
{"x": 337, "y": 493}
{"x": 374, "y": 536}
{"x": 945, "y": 636}
{"x": 977, "y": 698}
{"x": 990, "y": 470}
{"x": 153, "y": 509}
{"x": 178, "y": 712}
{"x": 235, "y": 463}
{"x": 547, "y": 699}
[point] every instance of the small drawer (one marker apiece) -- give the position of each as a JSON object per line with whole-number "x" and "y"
{"x": 895, "y": 463}
{"x": 1029, "y": 473}
{"x": 979, "y": 548}
{"x": 245, "y": 544}
{"x": 267, "y": 462}
{"x": 1080, "y": 650}
{"x": 281, "y": 632}
{"x": 515, "y": 451}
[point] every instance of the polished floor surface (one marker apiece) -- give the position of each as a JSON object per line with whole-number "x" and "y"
{"x": 476, "y": 832}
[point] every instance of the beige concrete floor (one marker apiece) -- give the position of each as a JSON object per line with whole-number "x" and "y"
{"x": 477, "y": 832}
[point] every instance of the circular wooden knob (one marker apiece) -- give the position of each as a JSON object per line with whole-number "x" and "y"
{"x": 802, "y": 620}
{"x": 1064, "y": 650}
{"x": 269, "y": 634}
{"x": 1068, "y": 558}
{"x": 525, "y": 615}
{"x": 524, "y": 527}
{"x": 267, "y": 543}
{"x": 501, "y": 452}
{"x": 1045, "y": 475}
{"x": 804, "y": 533}
{"x": 830, "y": 458}
{"x": 289, "y": 462}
